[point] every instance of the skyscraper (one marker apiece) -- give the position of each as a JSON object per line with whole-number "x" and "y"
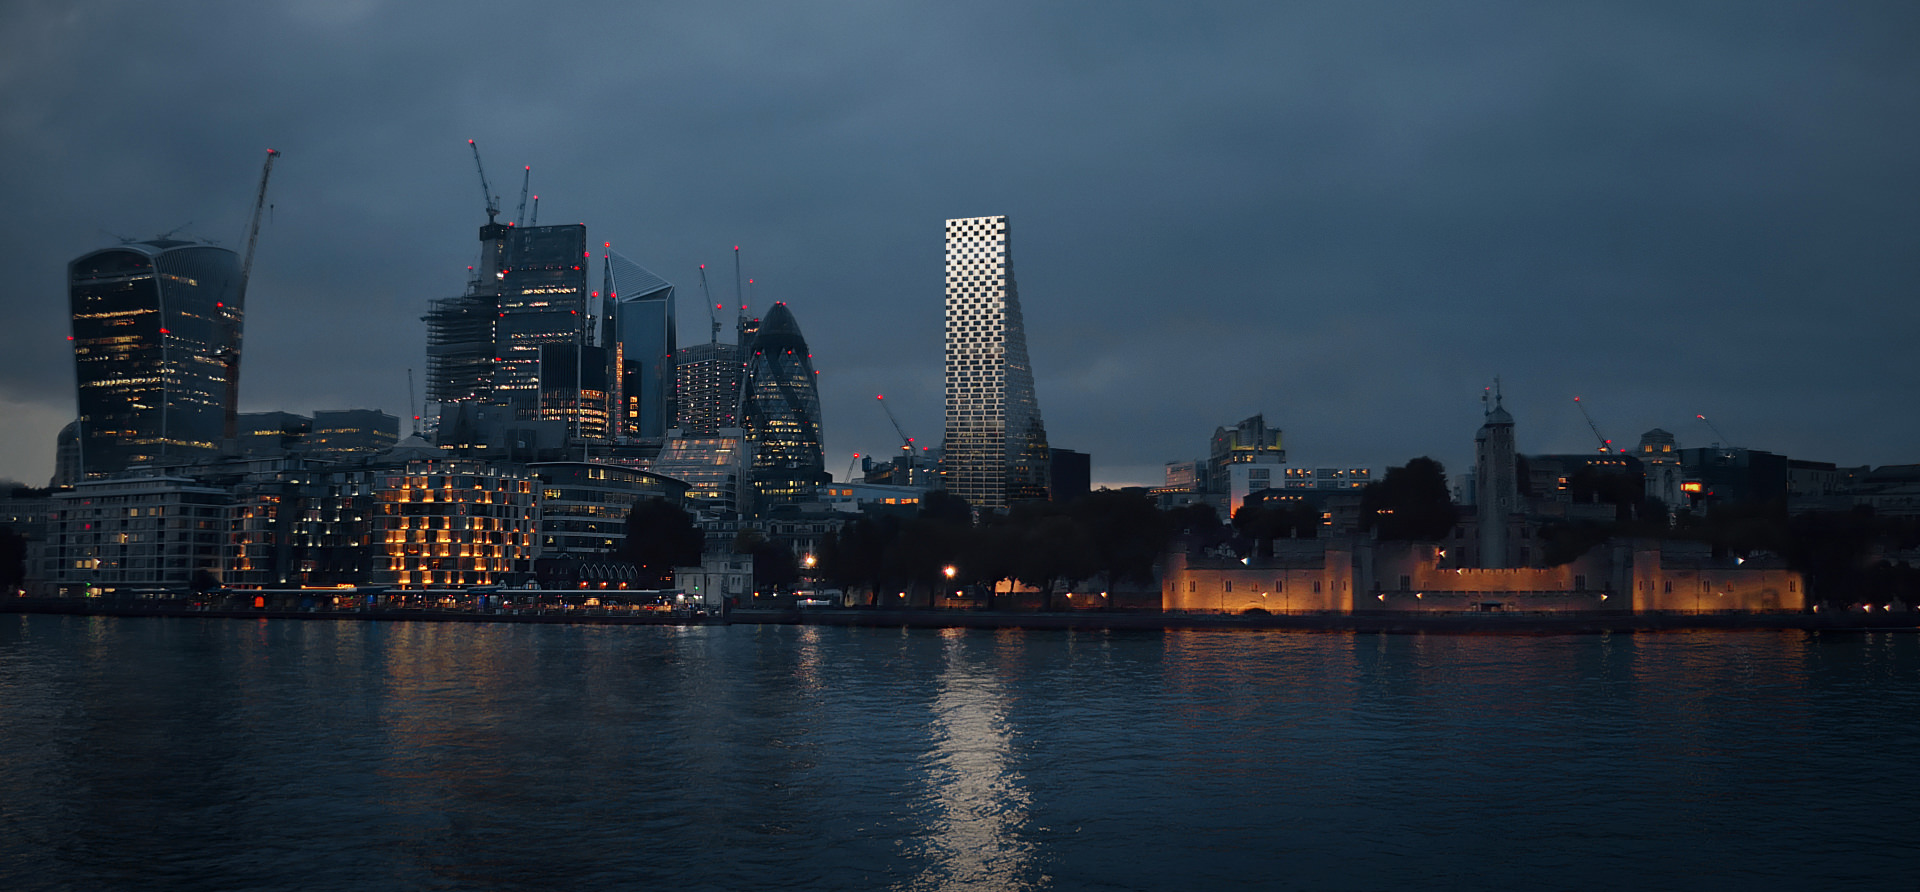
{"x": 642, "y": 343}
{"x": 460, "y": 330}
{"x": 996, "y": 444}
{"x": 780, "y": 411}
{"x": 707, "y": 384}
{"x": 150, "y": 323}
{"x": 543, "y": 300}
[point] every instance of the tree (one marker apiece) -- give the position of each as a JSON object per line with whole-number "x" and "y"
{"x": 660, "y": 537}
{"x": 1129, "y": 532}
{"x": 1411, "y": 503}
{"x": 774, "y": 566}
{"x": 1264, "y": 520}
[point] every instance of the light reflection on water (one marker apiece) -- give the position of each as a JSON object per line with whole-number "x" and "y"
{"x": 972, "y": 840}
{"x": 193, "y": 754}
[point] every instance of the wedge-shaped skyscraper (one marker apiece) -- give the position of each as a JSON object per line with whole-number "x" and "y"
{"x": 996, "y": 444}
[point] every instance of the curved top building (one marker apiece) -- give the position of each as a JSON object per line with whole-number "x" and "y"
{"x": 780, "y": 411}
{"x": 153, "y": 323}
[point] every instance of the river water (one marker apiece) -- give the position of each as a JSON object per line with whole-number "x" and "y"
{"x": 277, "y": 754}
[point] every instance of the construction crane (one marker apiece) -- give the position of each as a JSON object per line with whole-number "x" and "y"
{"x": 1716, "y": 432}
{"x": 520, "y": 214}
{"x": 713, "y": 319}
{"x": 230, "y": 426}
{"x": 486, "y": 189}
{"x": 535, "y": 215}
{"x": 906, "y": 442}
{"x": 1606, "y": 445}
{"x": 850, "y": 466}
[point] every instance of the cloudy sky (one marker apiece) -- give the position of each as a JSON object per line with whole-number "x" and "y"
{"x": 1348, "y": 216}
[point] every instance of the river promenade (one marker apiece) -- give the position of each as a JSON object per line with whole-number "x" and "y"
{"x": 1503, "y": 622}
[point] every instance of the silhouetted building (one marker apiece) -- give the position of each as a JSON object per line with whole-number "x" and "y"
{"x": 343, "y": 432}
{"x": 271, "y": 433}
{"x": 996, "y": 442}
{"x": 1069, "y": 473}
{"x": 155, "y": 325}
{"x": 780, "y": 412}
{"x": 1723, "y": 474}
{"x": 574, "y": 388}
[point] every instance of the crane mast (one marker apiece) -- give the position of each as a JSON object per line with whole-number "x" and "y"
{"x": 711, "y": 318}
{"x": 906, "y": 442}
{"x": 1716, "y": 432}
{"x": 486, "y": 189}
{"x": 1606, "y": 445}
{"x": 230, "y": 422}
{"x": 520, "y": 215}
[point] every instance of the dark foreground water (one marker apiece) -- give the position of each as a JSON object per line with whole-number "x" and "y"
{"x": 228, "y": 754}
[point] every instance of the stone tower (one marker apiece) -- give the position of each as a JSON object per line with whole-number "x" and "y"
{"x": 1497, "y": 493}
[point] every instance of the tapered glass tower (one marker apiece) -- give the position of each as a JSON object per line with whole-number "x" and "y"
{"x": 642, "y": 344}
{"x": 780, "y": 410}
{"x": 996, "y": 444}
{"x": 151, "y": 324}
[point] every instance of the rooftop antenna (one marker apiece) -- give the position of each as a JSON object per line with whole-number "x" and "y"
{"x": 520, "y": 214}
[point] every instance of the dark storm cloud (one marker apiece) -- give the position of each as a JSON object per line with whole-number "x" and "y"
{"x": 1348, "y": 216}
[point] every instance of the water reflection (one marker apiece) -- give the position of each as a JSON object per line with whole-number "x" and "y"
{"x": 973, "y": 839}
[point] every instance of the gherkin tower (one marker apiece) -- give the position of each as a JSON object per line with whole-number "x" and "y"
{"x": 780, "y": 411}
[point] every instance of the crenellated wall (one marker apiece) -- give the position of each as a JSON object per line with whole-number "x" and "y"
{"x": 1356, "y": 576}
{"x": 1309, "y": 584}
{"x": 1692, "y": 584}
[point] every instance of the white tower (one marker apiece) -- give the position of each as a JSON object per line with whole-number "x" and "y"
{"x": 1497, "y": 493}
{"x": 996, "y": 444}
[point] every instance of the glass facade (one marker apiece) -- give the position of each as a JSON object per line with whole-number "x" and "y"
{"x": 543, "y": 300}
{"x": 643, "y": 343}
{"x": 780, "y": 411}
{"x": 584, "y": 505}
{"x": 996, "y": 443}
{"x": 573, "y": 388}
{"x": 153, "y": 327}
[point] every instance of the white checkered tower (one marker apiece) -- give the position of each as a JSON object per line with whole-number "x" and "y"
{"x": 996, "y": 443}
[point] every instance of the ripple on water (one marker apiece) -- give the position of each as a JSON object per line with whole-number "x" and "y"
{"x": 319, "y": 755}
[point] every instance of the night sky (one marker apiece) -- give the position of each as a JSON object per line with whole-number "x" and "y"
{"x": 1348, "y": 216}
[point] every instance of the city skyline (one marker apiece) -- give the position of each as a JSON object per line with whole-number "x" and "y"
{"x": 1347, "y": 222}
